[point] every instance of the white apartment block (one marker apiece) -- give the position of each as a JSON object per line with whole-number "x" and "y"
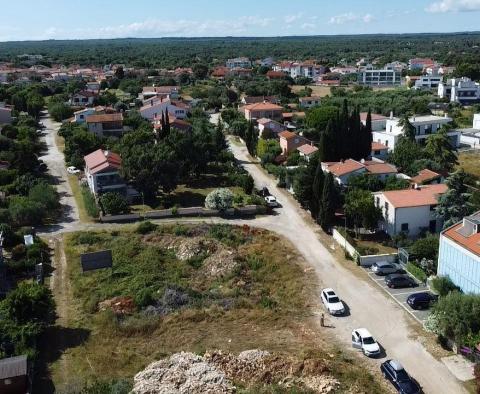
{"x": 460, "y": 90}
{"x": 383, "y": 77}
{"x": 424, "y": 125}
{"x": 239, "y": 62}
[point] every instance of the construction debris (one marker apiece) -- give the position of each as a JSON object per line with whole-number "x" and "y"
{"x": 119, "y": 305}
{"x": 215, "y": 372}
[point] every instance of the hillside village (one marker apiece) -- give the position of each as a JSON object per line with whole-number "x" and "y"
{"x": 183, "y": 228}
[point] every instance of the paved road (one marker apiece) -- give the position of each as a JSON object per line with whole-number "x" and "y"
{"x": 369, "y": 308}
{"x": 56, "y": 168}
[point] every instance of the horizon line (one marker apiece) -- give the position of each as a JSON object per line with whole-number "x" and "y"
{"x": 241, "y": 37}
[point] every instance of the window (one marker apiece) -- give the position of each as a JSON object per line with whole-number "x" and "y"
{"x": 377, "y": 152}
{"x": 386, "y": 142}
{"x": 405, "y": 227}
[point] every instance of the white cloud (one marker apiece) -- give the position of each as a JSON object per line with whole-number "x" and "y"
{"x": 162, "y": 28}
{"x": 350, "y": 17}
{"x": 292, "y": 18}
{"x": 308, "y": 26}
{"x": 454, "y": 6}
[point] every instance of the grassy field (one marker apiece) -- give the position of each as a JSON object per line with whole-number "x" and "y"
{"x": 320, "y": 91}
{"x": 243, "y": 289}
{"x": 470, "y": 162}
{"x": 77, "y": 194}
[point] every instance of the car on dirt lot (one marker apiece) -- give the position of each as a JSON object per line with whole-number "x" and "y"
{"x": 331, "y": 301}
{"x": 271, "y": 201}
{"x": 73, "y": 170}
{"x": 399, "y": 281}
{"x": 363, "y": 340}
{"x": 384, "y": 268}
{"x": 393, "y": 371}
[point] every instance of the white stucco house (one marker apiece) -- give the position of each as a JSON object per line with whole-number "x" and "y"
{"x": 424, "y": 125}
{"x": 344, "y": 170}
{"x": 80, "y": 116}
{"x": 460, "y": 90}
{"x": 154, "y": 107}
{"x": 410, "y": 211}
{"x": 379, "y": 122}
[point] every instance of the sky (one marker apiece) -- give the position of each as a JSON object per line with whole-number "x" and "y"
{"x": 83, "y": 19}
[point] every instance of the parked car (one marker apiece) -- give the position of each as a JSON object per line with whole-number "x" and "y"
{"x": 420, "y": 300}
{"x": 399, "y": 280}
{"x": 396, "y": 374}
{"x": 271, "y": 201}
{"x": 73, "y": 170}
{"x": 332, "y": 302}
{"x": 384, "y": 268}
{"x": 363, "y": 340}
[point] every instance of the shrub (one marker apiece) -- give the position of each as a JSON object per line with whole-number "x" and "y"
{"x": 417, "y": 272}
{"x": 89, "y": 201}
{"x": 443, "y": 285}
{"x": 25, "y": 212}
{"x": 220, "y": 199}
{"x": 114, "y": 204}
{"x": 44, "y": 194}
{"x": 146, "y": 227}
{"x": 19, "y": 252}
{"x": 143, "y": 298}
{"x": 86, "y": 238}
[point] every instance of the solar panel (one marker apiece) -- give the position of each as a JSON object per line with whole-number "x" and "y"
{"x": 96, "y": 260}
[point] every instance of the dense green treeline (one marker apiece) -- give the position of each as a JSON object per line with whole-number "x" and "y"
{"x": 177, "y": 52}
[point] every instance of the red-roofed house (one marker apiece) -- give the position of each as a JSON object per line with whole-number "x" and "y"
{"x": 175, "y": 123}
{"x": 263, "y": 110}
{"x": 379, "y": 122}
{"x": 290, "y": 141}
{"x": 307, "y": 151}
{"x": 411, "y": 211}
{"x": 83, "y": 99}
{"x": 343, "y": 170}
{"x": 105, "y": 124}
{"x": 275, "y": 74}
{"x": 426, "y": 177}
{"x": 102, "y": 170}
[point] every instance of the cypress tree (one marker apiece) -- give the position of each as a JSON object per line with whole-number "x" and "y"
{"x": 328, "y": 204}
{"x": 162, "y": 122}
{"x": 167, "y": 122}
{"x": 368, "y": 136}
{"x": 326, "y": 147}
{"x": 317, "y": 191}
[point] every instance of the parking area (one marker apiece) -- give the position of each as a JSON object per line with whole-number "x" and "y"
{"x": 401, "y": 295}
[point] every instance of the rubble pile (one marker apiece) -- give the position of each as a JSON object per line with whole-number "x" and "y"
{"x": 119, "y": 305}
{"x": 216, "y": 371}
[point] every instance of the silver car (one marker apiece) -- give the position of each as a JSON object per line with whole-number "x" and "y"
{"x": 384, "y": 268}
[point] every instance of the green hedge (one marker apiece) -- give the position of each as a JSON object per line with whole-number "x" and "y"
{"x": 417, "y": 272}
{"x": 89, "y": 201}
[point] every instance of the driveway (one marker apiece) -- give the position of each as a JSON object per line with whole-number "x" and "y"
{"x": 369, "y": 308}
{"x": 54, "y": 159}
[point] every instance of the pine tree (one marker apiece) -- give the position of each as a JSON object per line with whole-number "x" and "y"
{"x": 317, "y": 191}
{"x": 326, "y": 215}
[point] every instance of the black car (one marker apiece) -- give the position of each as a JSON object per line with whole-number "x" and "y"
{"x": 399, "y": 280}
{"x": 396, "y": 374}
{"x": 420, "y": 300}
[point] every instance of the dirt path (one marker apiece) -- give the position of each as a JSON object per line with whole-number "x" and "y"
{"x": 56, "y": 167}
{"x": 369, "y": 308}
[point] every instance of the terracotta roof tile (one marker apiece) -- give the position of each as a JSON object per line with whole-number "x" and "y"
{"x": 378, "y": 146}
{"x": 100, "y": 160}
{"x": 425, "y": 195}
{"x": 424, "y": 176}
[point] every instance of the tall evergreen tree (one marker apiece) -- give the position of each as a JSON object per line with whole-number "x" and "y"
{"x": 317, "y": 191}
{"x": 327, "y": 148}
{"x": 162, "y": 121}
{"x": 167, "y": 123}
{"x": 367, "y": 135}
{"x": 407, "y": 128}
{"x": 329, "y": 202}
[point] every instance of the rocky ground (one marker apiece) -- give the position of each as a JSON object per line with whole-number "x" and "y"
{"x": 218, "y": 372}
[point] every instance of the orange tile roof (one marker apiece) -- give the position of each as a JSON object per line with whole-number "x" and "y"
{"x": 287, "y": 135}
{"x": 341, "y": 168}
{"x": 101, "y": 118}
{"x": 263, "y": 107}
{"x": 425, "y": 195}
{"x": 425, "y": 175}
{"x": 471, "y": 243}
{"x": 378, "y": 146}
{"x": 100, "y": 160}
{"x": 307, "y": 149}
{"x": 381, "y": 168}
{"x": 363, "y": 116}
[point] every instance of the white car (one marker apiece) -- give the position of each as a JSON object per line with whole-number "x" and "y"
{"x": 363, "y": 340}
{"x": 332, "y": 302}
{"x": 73, "y": 170}
{"x": 271, "y": 201}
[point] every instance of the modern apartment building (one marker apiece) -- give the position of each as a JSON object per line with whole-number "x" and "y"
{"x": 379, "y": 77}
{"x": 460, "y": 90}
